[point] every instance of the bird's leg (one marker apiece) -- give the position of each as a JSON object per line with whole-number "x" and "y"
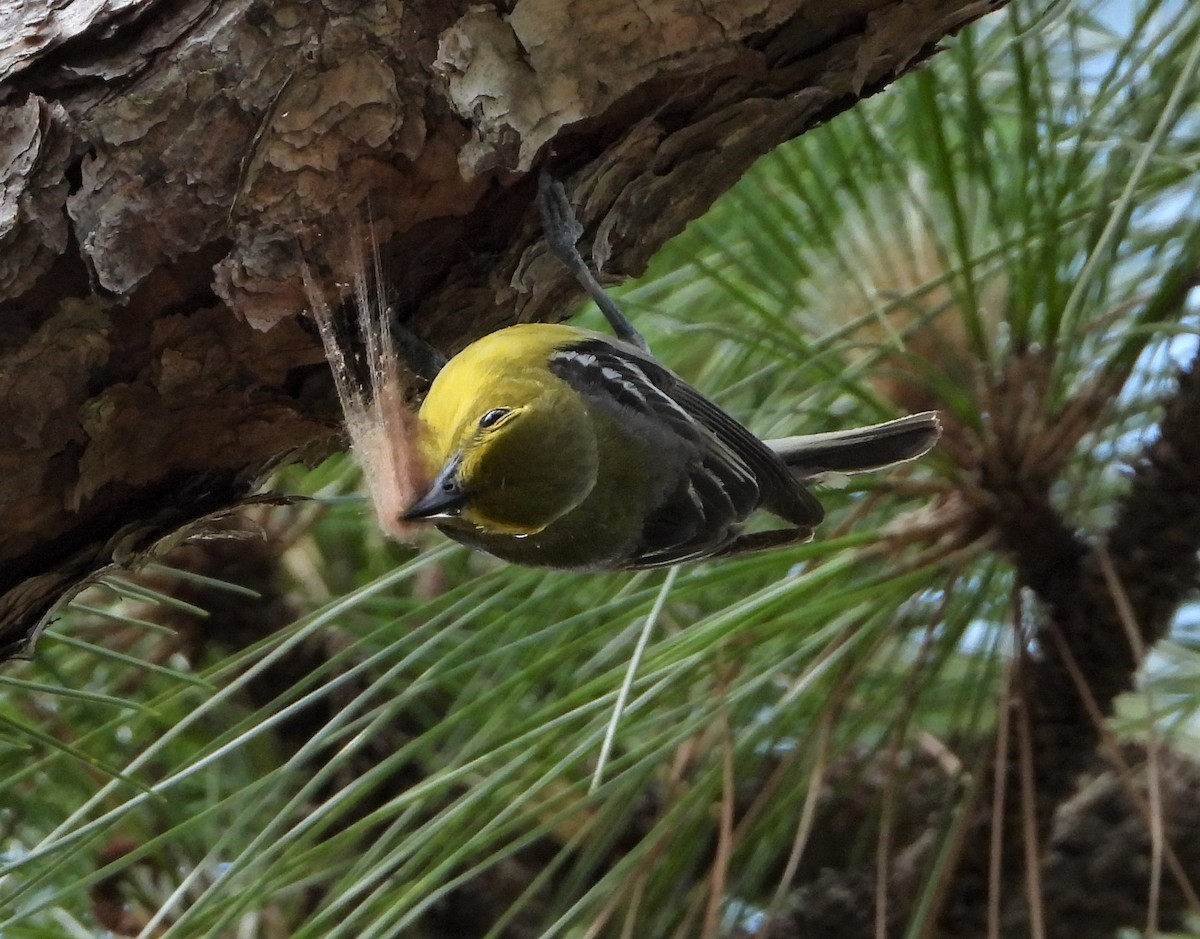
{"x": 562, "y": 231}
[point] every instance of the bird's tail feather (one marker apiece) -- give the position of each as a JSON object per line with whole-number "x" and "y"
{"x": 859, "y": 449}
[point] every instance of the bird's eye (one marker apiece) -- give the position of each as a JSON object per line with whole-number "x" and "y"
{"x": 492, "y": 418}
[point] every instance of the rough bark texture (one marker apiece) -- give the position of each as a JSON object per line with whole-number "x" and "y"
{"x": 165, "y": 165}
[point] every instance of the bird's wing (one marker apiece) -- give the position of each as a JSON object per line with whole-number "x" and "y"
{"x": 781, "y": 492}
{"x": 731, "y": 474}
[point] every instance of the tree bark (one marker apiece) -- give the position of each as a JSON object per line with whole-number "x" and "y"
{"x": 166, "y": 166}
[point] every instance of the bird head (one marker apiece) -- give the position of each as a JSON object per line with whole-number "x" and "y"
{"x": 511, "y": 447}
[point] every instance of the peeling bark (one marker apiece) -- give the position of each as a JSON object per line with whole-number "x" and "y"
{"x": 166, "y": 165}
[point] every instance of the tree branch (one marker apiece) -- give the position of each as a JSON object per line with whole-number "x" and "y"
{"x": 172, "y": 162}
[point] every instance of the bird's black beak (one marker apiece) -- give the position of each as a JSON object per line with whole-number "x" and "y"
{"x": 445, "y": 497}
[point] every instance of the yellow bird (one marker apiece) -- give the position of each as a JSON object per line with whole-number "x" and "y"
{"x": 564, "y": 448}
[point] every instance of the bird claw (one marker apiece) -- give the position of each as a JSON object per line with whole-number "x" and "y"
{"x": 562, "y": 229}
